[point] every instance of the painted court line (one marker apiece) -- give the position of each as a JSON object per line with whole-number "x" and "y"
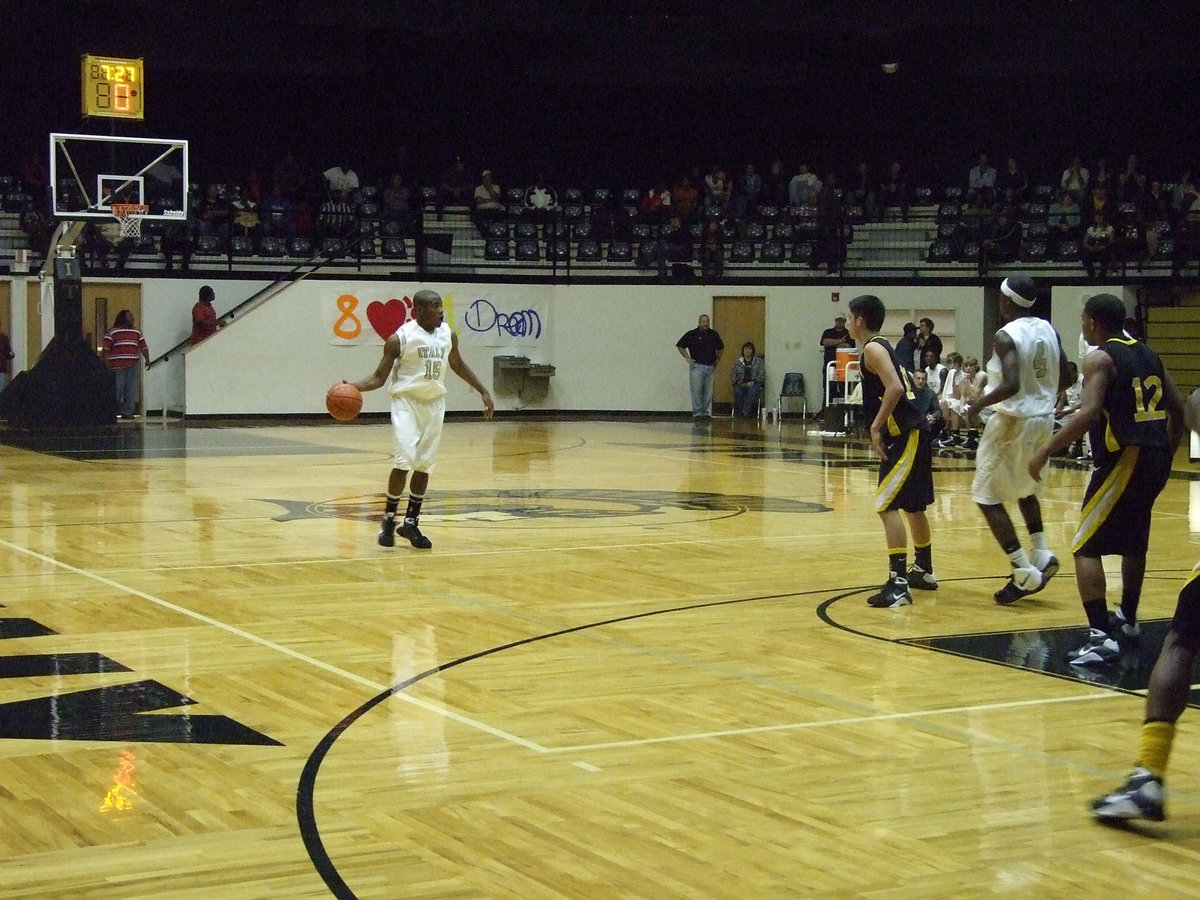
{"x": 277, "y": 648}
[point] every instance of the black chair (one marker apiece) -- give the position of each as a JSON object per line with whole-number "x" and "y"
{"x": 495, "y": 231}
{"x": 768, "y": 213}
{"x": 1037, "y": 231}
{"x": 602, "y": 196}
{"x": 332, "y": 246}
{"x": 1035, "y": 211}
{"x": 754, "y": 231}
{"x": 631, "y": 196}
{"x": 802, "y": 252}
{"x": 949, "y": 212}
{"x": 394, "y": 248}
{"x": 528, "y": 250}
{"x": 369, "y": 192}
{"x": 272, "y": 246}
{"x": 583, "y": 231}
{"x": 641, "y": 231}
{"x": 772, "y": 252}
{"x": 793, "y": 386}
{"x": 572, "y": 212}
{"x": 558, "y": 251}
{"x": 784, "y": 231}
{"x": 953, "y": 194}
{"x": 587, "y": 251}
{"x": 209, "y": 244}
{"x": 941, "y": 251}
{"x": 495, "y": 250}
{"x": 923, "y": 196}
{"x": 741, "y": 252}
{"x": 949, "y": 231}
{"x": 1067, "y": 251}
{"x": 572, "y": 196}
{"x": 620, "y": 251}
{"x": 240, "y": 245}
{"x": 969, "y": 252}
{"x": 514, "y": 195}
{"x": 558, "y": 230}
{"x": 1034, "y": 251}
{"x": 368, "y": 210}
{"x": 525, "y": 231}
{"x": 1043, "y": 193}
{"x": 301, "y": 247}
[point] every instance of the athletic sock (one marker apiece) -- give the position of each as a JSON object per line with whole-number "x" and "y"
{"x": 1037, "y": 541}
{"x": 1097, "y": 614}
{"x": 1129, "y": 606}
{"x": 1154, "y": 747}
{"x": 414, "y": 506}
{"x": 1019, "y": 558}
{"x": 923, "y": 556}
{"x": 393, "y": 501}
{"x": 898, "y": 563}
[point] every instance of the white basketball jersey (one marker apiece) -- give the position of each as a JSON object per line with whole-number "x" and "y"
{"x": 1037, "y": 358}
{"x": 420, "y": 370}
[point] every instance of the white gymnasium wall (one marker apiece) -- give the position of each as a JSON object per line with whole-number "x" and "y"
{"x": 613, "y": 346}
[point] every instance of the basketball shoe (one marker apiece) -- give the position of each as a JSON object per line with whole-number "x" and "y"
{"x": 386, "y": 530}
{"x": 1025, "y": 580}
{"x": 922, "y": 580}
{"x": 1098, "y": 650}
{"x": 408, "y": 529}
{"x": 1120, "y": 627}
{"x": 1046, "y": 563}
{"x": 1141, "y": 797}
{"x": 895, "y": 593}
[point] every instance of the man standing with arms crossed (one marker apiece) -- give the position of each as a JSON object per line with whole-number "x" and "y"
{"x": 1023, "y": 377}
{"x": 1135, "y": 416}
{"x": 701, "y": 347}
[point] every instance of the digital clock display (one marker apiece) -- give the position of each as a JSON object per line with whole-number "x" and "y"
{"x": 112, "y": 87}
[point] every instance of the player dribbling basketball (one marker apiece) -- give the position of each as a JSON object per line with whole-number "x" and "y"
{"x": 414, "y": 366}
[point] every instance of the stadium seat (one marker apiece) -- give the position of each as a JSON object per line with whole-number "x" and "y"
{"x": 772, "y": 252}
{"x": 525, "y": 231}
{"x": 528, "y": 250}
{"x": 620, "y": 251}
{"x": 741, "y": 252}
{"x": 941, "y": 251}
{"x": 394, "y": 248}
{"x": 583, "y": 231}
{"x": 792, "y": 387}
{"x": 1033, "y": 251}
{"x": 495, "y": 231}
{"x": 587, "y": 251}
{"x": 495, "y": 250}
{"x": 802, "y": 252}
{"x": 558, "y": 251}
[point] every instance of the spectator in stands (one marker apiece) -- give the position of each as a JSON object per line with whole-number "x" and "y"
{"x": 1186, "y": 196}
{"x": 1102, "y": 177}
{"x": 861, "y": 191}
{"x": 981, "y": 184}
{"x": 35, "y": 178}
{"x": 342, "y": 180}
{"x": 1098, "y": 246}
{"x": 1099, "y": 201}
{"x": 1000, "y": 240}
{"x": 712, "y": 248}
{"x": 1064, "y": 217}
{"x": 1076, "y": 179}
{"x": 655, "y": 203}
{"x": 831, "y": 228}
{"x": 893, "y": 190}
{"x": 245, "y": 213}
{"x": 717, "y": 190}
{"x": 122, "y": 346}
{"x": 775, "y": 185}
{"x": 277, "y": 214}
{"x": 102, "y": 238}
{"x": 906, "y": 347}
{"x": 336, "y": 218}
{"x": 1155, "y": 208}
{"x": 685, "y": 200}
{"x": 950, "y": 381}
{"x": 1012, "y": 184}
{"x": 747, "y": 191}
{"x": 487, "y": 200}
{"x": 215, "y": 214}
{"x": 396, "y": 204}
{"x": 37, "y": 225}
{"x": 176, "y": 240}
{"x": 804, "y": 187}
{"x": 1131, "y": 184}
{"x": 676, "y": 240}
{"x": 455, "y": 188}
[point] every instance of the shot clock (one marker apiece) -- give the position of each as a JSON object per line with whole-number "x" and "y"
{"x": 112, "y": 87}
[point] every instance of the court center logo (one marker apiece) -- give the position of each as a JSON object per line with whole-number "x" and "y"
{"x": 551, "y": 507}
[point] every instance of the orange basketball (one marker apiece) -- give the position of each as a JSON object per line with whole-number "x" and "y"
{"x": 343, "y": 401}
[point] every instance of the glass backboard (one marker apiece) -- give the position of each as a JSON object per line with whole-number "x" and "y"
{"x": 89, "y": 173}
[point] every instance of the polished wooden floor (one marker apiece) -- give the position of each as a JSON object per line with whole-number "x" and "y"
{"x": 637, "y": 663}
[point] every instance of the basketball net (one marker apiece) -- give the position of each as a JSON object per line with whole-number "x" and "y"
{"x": 129, "y": 216}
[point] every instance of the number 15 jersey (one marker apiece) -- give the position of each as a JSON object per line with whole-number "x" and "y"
{"x": 420, "y": 371}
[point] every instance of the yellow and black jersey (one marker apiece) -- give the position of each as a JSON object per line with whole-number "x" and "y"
{"x": 905, "y": 417}
{"x": 1133, "y": 413}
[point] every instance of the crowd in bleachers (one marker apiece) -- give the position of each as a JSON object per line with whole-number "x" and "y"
{"x": 1101, "y": 219}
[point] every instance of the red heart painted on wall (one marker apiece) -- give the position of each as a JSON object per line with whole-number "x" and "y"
{"x": 385, "y": 318}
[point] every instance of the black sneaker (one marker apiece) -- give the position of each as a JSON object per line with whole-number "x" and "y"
{"x": 1031, "y": 581}
{"x": 922, "y": 580}
{"x": 894, "y": 594}
{"x": 1119, "y": 628}
{"x": 1141, "y": 797}
{"x": 1098, "y": 650}
{"x": 408, "y": 529}
{"x": 386, "y": 530}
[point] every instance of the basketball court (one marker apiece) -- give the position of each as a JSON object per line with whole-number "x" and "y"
{"x": 638, "y": 662}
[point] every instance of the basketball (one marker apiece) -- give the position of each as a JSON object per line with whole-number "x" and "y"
{"x": 343, "y": 401}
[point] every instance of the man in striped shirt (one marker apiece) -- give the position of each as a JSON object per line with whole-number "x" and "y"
{"x": 123, "y": 344}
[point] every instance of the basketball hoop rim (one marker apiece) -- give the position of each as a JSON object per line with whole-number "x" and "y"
{"x": 129, "y": 217}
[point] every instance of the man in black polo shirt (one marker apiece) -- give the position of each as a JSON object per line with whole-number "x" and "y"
{"x": 701, "y": 347}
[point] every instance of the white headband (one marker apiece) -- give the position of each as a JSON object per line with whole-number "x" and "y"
{"x": 1016, "y": 298}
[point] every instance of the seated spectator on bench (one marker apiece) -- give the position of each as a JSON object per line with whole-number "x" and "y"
{"x": 1064, "y": 217}
{"x": 1097, "y": 248}
{"x": 1001, "y": 240}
